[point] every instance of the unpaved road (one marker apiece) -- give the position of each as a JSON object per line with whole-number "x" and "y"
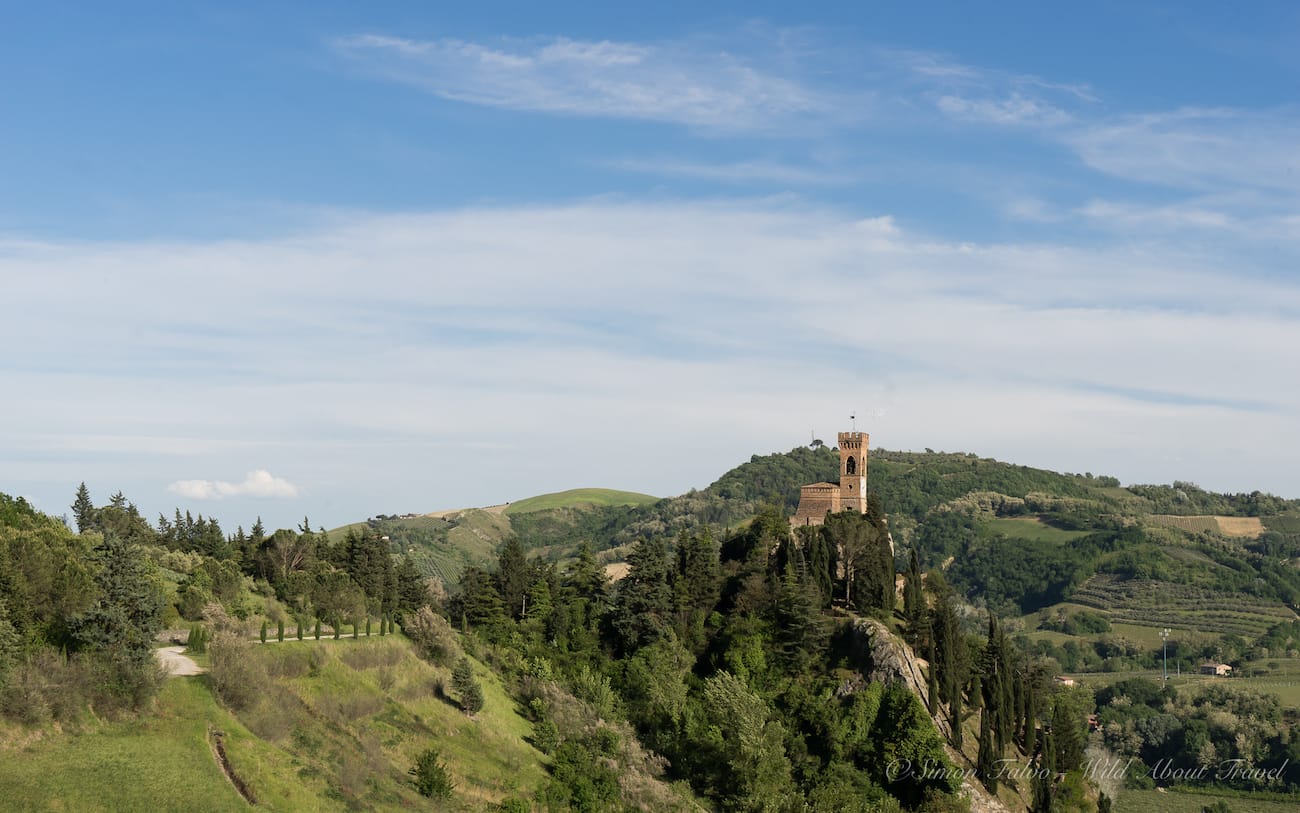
{"x": 176, "y": 664}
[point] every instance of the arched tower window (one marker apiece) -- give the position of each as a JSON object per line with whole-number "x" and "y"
{"x": 851, "y": 465}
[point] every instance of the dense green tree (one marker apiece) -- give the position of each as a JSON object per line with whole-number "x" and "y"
{"x": 411, "y": 591}
{"x": 695, "y": 583}
{"x": 128, "y": 612}
{"x": 755, "y": 773}
{"x": 865, "y": 558}
{"x": 514, "y": 575}
{"x": 643, "y": 608}
{"x": 799, "y": 632}
{"x": 335, "y": 596}
{"x": 478, "y": 604}
{"x": 368, "y": 562}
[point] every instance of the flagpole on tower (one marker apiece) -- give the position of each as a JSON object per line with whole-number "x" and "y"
{"x": 854, "y": 419}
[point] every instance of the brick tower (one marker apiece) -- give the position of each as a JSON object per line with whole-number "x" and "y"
{"x": 853, "y": 471}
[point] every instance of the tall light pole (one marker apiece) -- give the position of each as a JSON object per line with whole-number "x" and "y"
{"x": 1164, "y": 636}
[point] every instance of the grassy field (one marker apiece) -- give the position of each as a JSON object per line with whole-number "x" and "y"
{"x": 1033, "y": 529}
{"x": 357, "y": 712}
{"x": 1283, "y": 681}
{"x": 161, "y": 762}
{"x": 579, "y": 497}
{"x": 335, "y": 726}
{"x": 1154, "y": 801}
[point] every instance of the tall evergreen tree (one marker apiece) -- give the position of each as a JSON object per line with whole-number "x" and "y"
{"x": 643, "y": 609}
{"x": 411, "y": 592}
{"x": 799, "y": 631}
{"x": 986, "y": 760}
{"x": 913, "y": 598}
{"x": 1044, "y": 784}
{"x": 463, "y": 681}
{"x": 128, "y": 613}
{"x": 478, "y": 604}
{"x": 513, "y": 577}
{"x": 83, "y": 509}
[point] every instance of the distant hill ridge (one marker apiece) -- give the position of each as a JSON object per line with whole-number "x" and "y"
{"x": 992, "y": 519}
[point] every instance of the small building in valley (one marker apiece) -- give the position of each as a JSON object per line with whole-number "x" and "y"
{"x": 1216, "y": 669}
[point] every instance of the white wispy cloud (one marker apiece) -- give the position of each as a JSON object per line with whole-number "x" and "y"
{"x": 1015, "y": 109}
{"x": 715, "y": 90}
{"x": 737, "y": 172}
{"x": 986, "y": 95}
{"x": 368, "y": 362}
{"x": 1197, "y": 148}
{"x": 259, "y": 483}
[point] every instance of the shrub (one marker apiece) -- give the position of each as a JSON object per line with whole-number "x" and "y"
{"x": 433, "y": 637}
{"x": 197, "y": 642}
{"x": 546, "y": 737}
{"x": 431, "y": 777}
{"x": 238, "y": 678}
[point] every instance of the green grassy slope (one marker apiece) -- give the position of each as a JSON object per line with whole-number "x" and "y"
{"x": 160, "y": 762}
{"x": 338, "y": 727}
{"x": 579, "y": 497}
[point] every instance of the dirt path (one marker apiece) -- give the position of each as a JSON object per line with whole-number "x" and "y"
{"x": 176, "y": 664}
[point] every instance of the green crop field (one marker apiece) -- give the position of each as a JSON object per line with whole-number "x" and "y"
{"x": 578, "y": 497}
{"x": 1033, "y": 529}
{"x": 1155, "y": 604}
{"x": 1155, "y": 801}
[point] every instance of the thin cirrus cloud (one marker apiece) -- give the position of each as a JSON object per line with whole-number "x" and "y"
{"x": 655, "y": 82}
{"x": 737, "y": 172}
{"x": 259, "y": 483}
{"x": 1197, "y": 148}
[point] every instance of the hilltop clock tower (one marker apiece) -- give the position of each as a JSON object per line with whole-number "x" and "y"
{"x": 853, "y": 471}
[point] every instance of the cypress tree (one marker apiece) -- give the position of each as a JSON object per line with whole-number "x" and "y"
{"x": 318, "y": 629}
{"x": 1044, "y": 777}
{"x": 931, "y": 672}
{"x": 279, "y": 630}
{"x": 367, "y": 626}
{"x": 985, "y": 760}
{"x": 263, "y": 633}
{"x": 913, "y": 598}
{"x": 1031, "y": 716}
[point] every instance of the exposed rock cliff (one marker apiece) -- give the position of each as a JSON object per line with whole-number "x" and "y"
{"x": 885, "y": 658}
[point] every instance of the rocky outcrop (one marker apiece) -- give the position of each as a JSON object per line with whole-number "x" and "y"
{"x": 883, "y": 657}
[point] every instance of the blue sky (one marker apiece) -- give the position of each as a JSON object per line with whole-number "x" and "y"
{"x": 334, "y": 260}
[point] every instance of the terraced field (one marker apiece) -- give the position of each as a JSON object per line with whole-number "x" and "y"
{"x": 1161, "y": 604}
{"x": 1247, "y": 527}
